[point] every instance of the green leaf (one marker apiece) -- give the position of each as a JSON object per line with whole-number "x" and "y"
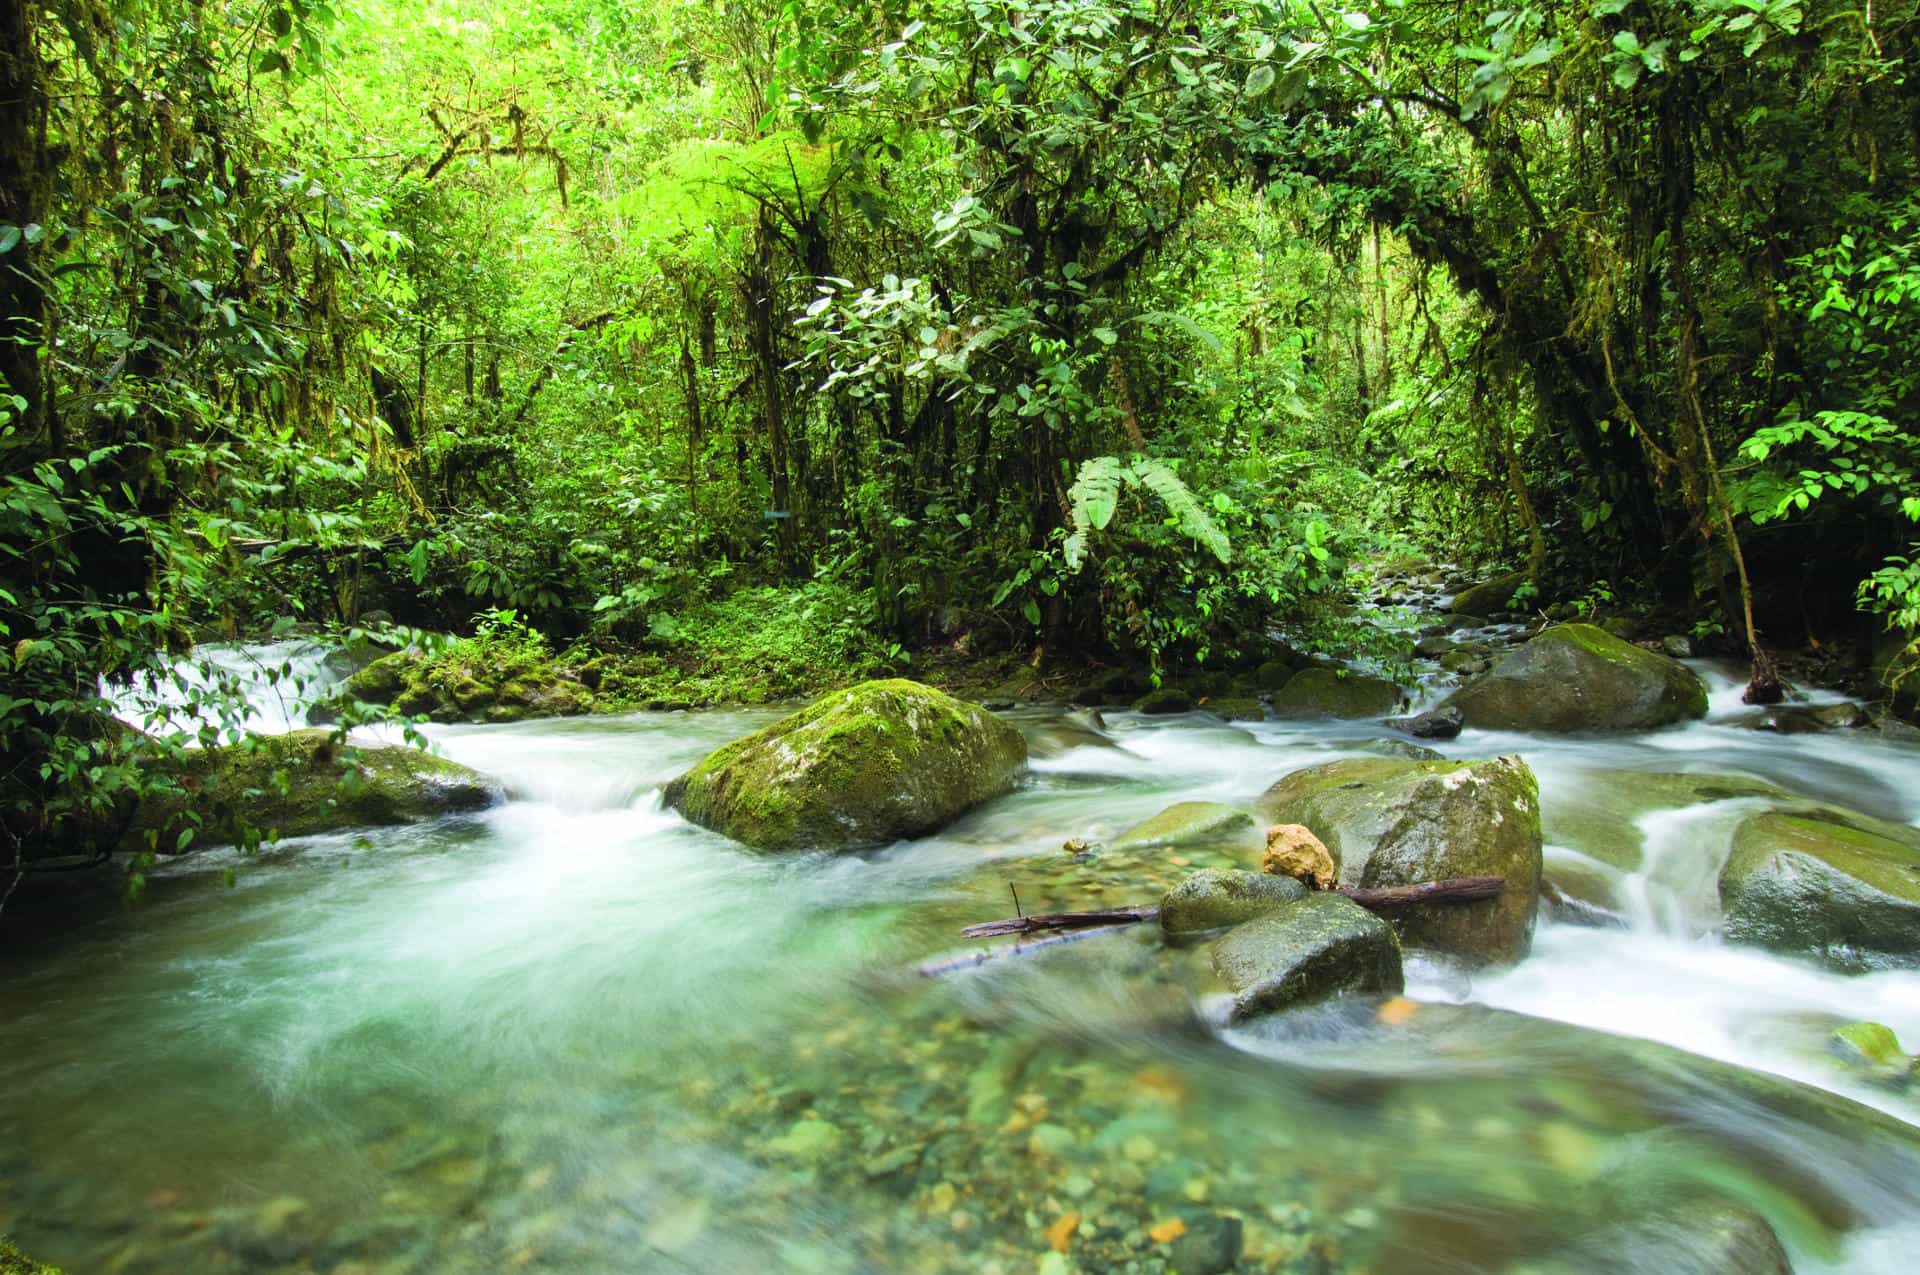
{"x": 1259, "y": 80}
{"x": 9, "y": 236}
{"x": 1031, "y": 610}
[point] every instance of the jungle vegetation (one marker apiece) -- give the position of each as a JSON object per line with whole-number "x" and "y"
{"x": 1109, "y": 331}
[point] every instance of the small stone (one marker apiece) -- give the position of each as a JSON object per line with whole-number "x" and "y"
{"x": 1055, "y": 1264}
{"x": 942, "y": 1198}
{"x": 1168, "y": 1231}
{"x": 1077, "y": 1186}
{"x": 1060, "y": 1234}
{"x": 1676, "y": 647}
{"x": 1196, "y": 1189}
{"x": 1868, "y": 1045}
{"x": 1048, "y": 1141}
{"x": 1210, "y": 1247}
{"x": 1293, "y": 851}
{"x": 1139, "y": 1149}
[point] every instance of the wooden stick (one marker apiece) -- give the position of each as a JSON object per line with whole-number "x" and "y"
{"x": 1044, "y": 921}
{"x": 1450, "y": 890}
{"x": 934, "y": 969}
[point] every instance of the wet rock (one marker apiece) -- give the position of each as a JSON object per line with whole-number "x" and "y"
{"x": 1168, "y": 699}
{"x": 1626, "y": 628}
{"x": 1574, "y": 677}
{"x": 299, "y": 784}
{"x": 1821, "y": 882}
{"x": 1440, "y": 723}
{"x": 1676, "y": 647}
{"x": 1273, "y": 674}
{"x": 1211, "y": 1246}
{"x": 1405, "y": 749}
{"x": 1433, "y": 647}
{"x": 1704, "y": 1237}
{"x": 1599, "y": 811}
{"x": 1319, "y": 692}
{"x": 472, "y": 683}
{"x": 863, "y": 766}
{"x": 1295, "y": 853}
{"x": 1872, "y": 1048}
{"x": 1846, "y": 716}
{"x": 1490, "y": 598}
{"x": 1059, "y": 733}
{"x": 1782, "y": 719}
{"x": 1322, "y": 946}
{"x": 1465, "y": 661}
{"x": 1237, "y": 708}
{"x": 1193, "y": 824}
{"x": 1215, "y": 898}
{"x": 1390, "y": 823}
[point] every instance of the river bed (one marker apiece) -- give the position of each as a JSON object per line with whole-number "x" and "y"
{"x": 575, "y": 1034}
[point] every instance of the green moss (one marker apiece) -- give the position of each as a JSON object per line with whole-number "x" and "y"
{"x": 14, "y": 1262}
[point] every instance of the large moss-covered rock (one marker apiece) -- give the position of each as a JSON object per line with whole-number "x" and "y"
{"x": 1325, "y": 692}
{"x": 1322, "y": 946}
{"x": 1490, "y": 598}
{"x": 1389, "y": 822}
{"x": 1574, "y": 677}
{"x": 1841, "y": 887}
{"x": 303, "y": 783}
{"x": 858, "y": 767}
{"x": 1214, "y": 898}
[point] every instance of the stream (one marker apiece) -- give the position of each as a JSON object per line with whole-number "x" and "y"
{"x": 574, "y": 1033}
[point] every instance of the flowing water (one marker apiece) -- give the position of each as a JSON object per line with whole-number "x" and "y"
{"x": 575, "y": 1034}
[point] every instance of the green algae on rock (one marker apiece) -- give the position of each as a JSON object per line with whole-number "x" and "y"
{"x": 1826, "y": 883}
{"x": 1324, "y": 945}
{"x": 1490, "y": 598}
{"x": 1575, "y": 677}
{"x": 1389, "y": 822}
{"x": 1193, "y": 825}
{"x": 302, "y": 783}
{"x": 860, "y": 767}
{"x": 474, "y": 685}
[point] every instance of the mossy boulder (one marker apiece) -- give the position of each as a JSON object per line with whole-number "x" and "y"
{"x": 1389, "y": 822}
{"x": 476, "y": 682}
{"x": 1322, "y": 946}
{"x": 1873, "y": 1050}
{"x": 1165, "y": 699}
{"x": 302, "y": 783}
{"x": 1490, "y": 598}
{"x": 1825, "y": 883}
{"x": 1193, "y": 825}
{"x": 1325, "y": 692}
{"x": 858, "y": 767}
{"x": 1215, "y": 898}
{"x": 1575, "y": 677}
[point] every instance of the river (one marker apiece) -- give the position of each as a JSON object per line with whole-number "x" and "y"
{"x": 575, "y": 1034}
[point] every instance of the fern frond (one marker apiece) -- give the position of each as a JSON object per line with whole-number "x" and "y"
{"x": 1091, "y": 503}
{"x": 1158, "y": 476}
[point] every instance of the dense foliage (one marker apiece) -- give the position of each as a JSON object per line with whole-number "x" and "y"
{"x": 1109, "y": 330}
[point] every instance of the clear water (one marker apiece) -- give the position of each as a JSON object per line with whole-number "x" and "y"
{"x": 575, "y": 1034}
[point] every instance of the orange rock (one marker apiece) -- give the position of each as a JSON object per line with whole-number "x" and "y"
{"x": 1293, "y": 851}
{"x": 1398, "y": 1010}
{"x": 1060, "y": 1234}
{"x": 1168, "y": 1231}
{"x": 1162, "y": 1083}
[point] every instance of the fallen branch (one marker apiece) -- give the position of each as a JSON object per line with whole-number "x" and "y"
{"x": 1450, "y": 890}
{"x": 1041, "y": 922}
{"x": 934, "y": 969}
